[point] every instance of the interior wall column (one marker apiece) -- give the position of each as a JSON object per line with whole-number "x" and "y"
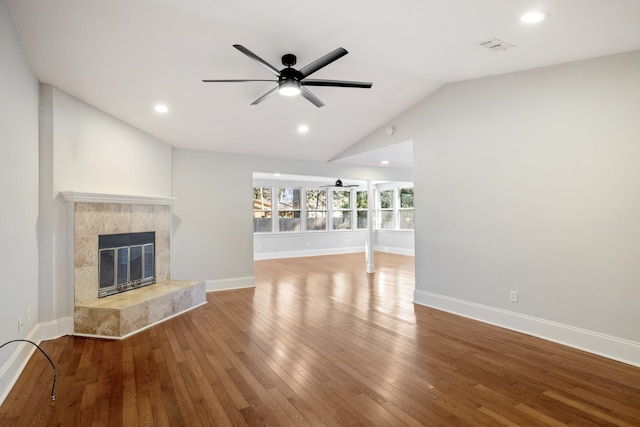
{"x": 371, "y": 268}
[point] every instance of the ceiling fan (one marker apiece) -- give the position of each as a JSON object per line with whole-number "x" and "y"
{"x": 292, "y": 82}
{"x": 339, "y": 184}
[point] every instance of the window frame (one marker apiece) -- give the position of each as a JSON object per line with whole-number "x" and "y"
{"x": 307, "y": 210}
{"x": 335, "y": 209}
{"x": 401, "y": 209}
{"x": 263, "y": 210}
{"x": 299, "y": 210}
{"x": 359, "y": 210}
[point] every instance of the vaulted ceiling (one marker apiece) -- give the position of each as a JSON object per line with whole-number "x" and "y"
{"x": 125, "y": 56}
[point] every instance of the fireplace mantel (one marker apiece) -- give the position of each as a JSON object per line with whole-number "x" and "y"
{"x": 74, "y": 196}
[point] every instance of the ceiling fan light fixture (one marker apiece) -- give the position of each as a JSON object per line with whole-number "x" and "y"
{"x": 289, "y": 88}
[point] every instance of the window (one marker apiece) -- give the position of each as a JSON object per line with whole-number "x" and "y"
{"x": 386, "y": 210}
{"x": 395, "y": 206}
{"x": 341, "y": 211}
{"x": 361, "y": 210}
{"x": 262, "y": 222}
{"x": 316, "y": 204}
{"x": 289, "y": 209}
{"x": 406, "y": 210}
{"x": 296, "y": 208}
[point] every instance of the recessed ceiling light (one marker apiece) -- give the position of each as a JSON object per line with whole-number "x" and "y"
{"x": 276, "y": 174}
{"x": 384, "y": 162}
{"x": 303, "y": 128}
{"x": 532, "y": 17}
{"x": 161, "y": 108}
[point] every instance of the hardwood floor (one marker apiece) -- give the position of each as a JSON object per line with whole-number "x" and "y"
{"x": 318, "y": 342}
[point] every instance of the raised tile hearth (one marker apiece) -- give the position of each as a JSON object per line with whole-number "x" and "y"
{"x": 124, "y": 314}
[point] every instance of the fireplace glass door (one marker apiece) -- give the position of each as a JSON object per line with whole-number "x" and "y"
{"x": 126, "y": 262}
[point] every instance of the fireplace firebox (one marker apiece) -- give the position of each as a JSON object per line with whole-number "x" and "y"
{"x": 126, "y": 261}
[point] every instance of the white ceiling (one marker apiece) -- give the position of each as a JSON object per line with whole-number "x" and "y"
{"x": 124, "y": 56}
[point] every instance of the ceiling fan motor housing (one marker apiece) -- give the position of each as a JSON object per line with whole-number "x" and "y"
{"x": 287, "y": 74}
{"x": 289, "y": 60}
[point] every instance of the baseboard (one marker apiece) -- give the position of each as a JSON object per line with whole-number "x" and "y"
{"x": 20, "y": 354}
{"x": 56, "y": 328}
{"x": 305, "y": 253}
{"x": 228, "y": 284}
{"x": 333, "y": 251}
{"x": 397, "y": 251}
{"x": 593, "y": 342}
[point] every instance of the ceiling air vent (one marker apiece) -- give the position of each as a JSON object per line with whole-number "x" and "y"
{"x": 495, "y": 44}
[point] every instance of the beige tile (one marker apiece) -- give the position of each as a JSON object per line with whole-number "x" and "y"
{"x": 87, "y": 219}
{"x": 163, "y": 243}
{"x": 85, "y": 284}
{"x": 163, "y": 267}
{"x": 134, "y": 318}
{"x": 116, "y": 218}
{"x": 161, "y": 308}
{"x": 85, "y": 251}
{"x": 181, "y": 301}
{"x": 142, "y": 218}
{"x": 97, "y": 322}
{"x": 162, "y": 218}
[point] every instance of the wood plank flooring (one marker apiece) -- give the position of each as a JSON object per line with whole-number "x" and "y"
{"x": 318, "y": 342}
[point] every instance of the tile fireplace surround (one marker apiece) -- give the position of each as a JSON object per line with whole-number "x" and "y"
{"x": 120, "y": 315}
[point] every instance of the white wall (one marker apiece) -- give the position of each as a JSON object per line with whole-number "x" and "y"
{"x": 19, "y": 195}
{"x": 395, "y": 241}
{"x": 529, "y": 182}
{"x": 213, "y": 229}
{"x": 86, "y": 150}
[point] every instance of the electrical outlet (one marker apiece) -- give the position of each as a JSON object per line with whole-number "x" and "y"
{"x": 20, "y": 324}
{"x": 513, "y": 296}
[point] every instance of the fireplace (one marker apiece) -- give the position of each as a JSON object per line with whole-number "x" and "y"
{"x": 125, "y": 261}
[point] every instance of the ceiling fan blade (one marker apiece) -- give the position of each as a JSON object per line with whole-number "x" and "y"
{"x": 256, "y": 58}
{"x": 306, "y": 93}
{"x": 322, "y": 62}
{"x": 336, "y": 83}
{"x": 237, "y": 81}
{"x": 265, "y": 96}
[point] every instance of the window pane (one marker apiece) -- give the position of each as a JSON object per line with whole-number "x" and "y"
{"x": 262, "y": 198}
{"x": 406, "y": 219}
{"x": 386, "y": 199}
{"x": 362, "y": 219}
{"x": 341, "y": 220}
{"x": 289, "y": 220}
{"x": 406, "y": 198}
{"x": 386, "y": 220}
{"x": 262, "y": 222}
{"x": 341, "y": 199}
{"x": 316, "y": 221}
{"x": 361, "y": 200}
{"x": 288, "y": 198}
{"x": 317, "y": 199}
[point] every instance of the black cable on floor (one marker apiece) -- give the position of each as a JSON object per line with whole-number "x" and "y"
{"x": 53, "y": 398}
